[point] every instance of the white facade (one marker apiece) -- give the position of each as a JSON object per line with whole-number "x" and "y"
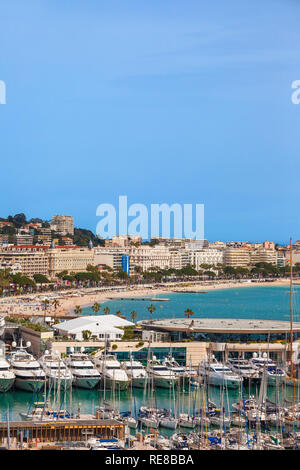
{"x": 209, "y": 256}
{"x": 101, "y": 326}
{"x": 149, "y": 257}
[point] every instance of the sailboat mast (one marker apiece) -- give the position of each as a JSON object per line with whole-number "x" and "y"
{"x": 291, "y": 306}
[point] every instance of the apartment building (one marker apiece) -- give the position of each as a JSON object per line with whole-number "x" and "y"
{"x": 237, "y": 257}
{"x": 30, "y": 259}
{"x": 63, "y": 224}
{"x": 263, "y": 255}
{"x": 23, "y": 239}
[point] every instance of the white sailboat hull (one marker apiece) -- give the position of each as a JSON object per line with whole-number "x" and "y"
{"x": 168, "y": 423}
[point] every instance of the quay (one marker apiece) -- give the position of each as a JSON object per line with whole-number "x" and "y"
{"x": 61, "y": 430}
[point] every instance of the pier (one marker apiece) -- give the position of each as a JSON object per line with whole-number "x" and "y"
{"x": 61, "y": 430}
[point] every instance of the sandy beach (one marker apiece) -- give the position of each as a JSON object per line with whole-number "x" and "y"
{"x": 31, "y": 305}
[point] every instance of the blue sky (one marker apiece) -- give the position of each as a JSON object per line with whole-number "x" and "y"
{"x": 162, "y": 101}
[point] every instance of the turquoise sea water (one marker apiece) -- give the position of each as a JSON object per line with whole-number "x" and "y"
{"x": 17, "y": 401}
{"x": 265, "y": 303}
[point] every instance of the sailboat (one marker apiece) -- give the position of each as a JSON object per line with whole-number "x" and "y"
{"x": 292, "y": 378}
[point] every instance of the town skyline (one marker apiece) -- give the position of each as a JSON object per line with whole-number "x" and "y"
{"x": 48, "y": 221}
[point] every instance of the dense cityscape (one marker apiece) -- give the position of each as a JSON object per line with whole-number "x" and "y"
{"x": 55, "y": 251}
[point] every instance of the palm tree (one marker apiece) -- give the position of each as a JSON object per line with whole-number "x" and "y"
{"x": 45, "y": 305}
{"x": 96, "y": 307}
{"x": 188, "y": 313}
{"x": 55, "y": 304}
{"x": 86, "y": 334}
{"x": 151, "y": 309}
{"x": 106, "y": 310}
{"x": 77, "y": 310}
{"x": 119, "y": 313}
{"x": 133, "y": 315}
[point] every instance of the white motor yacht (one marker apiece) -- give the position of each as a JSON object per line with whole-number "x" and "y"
{"x": 244, "y": 369}
{"x": 136, "y": 373}
{"x": 7, "y": 377}
{"x": 275, "y": 375}
{"x": 84, "y": 373}
{"x": 218, "y": 374}
{"x": 28, "y": 372}
{"x": 57, "y": 374}
{"x": 172, "y": 365}
{"x": 161, "y": 375}
{"x": 112, "y": 373}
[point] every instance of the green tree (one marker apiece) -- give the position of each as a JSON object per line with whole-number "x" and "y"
{"x": 106, "y": 310}
{"x": 188, "y": 313}
{"x": 77, "y": 310}
{"x": 133, "y": 316}
{"x": 96, "y": 307}
{"x": 45, "y": 304}
{"x": 41, "y": 279}
{"x": 151, "y": 309}
{"x": 86, "y": 334}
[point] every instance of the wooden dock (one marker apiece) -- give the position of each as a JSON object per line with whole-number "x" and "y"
{"x": 63, "y": 430}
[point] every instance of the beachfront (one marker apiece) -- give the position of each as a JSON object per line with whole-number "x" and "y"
{"x": 31, "y": 305}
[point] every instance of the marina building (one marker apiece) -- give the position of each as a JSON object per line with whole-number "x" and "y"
{"x": 101, "y": 327}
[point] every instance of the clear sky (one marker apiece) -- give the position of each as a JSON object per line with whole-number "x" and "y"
{"x": 184, "y": 101}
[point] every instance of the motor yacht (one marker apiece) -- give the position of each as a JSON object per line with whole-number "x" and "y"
{"x": 57, "y": 374}
{"x": 275, "y": 375}
{"x": 28, "y": 372}
{"x": 218, "y": 374}
{"x": 160, "y": 375}
{"x": 84, "y": 373}
{"x": 136, "y": 373}
{"x": 112, "y": 373}
{"x": 244, "y": 369}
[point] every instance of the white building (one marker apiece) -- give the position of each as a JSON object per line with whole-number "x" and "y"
{"x": 101, "y": 326}
{"x": 148, "y": 257}
{"x": 209, "y": 256}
